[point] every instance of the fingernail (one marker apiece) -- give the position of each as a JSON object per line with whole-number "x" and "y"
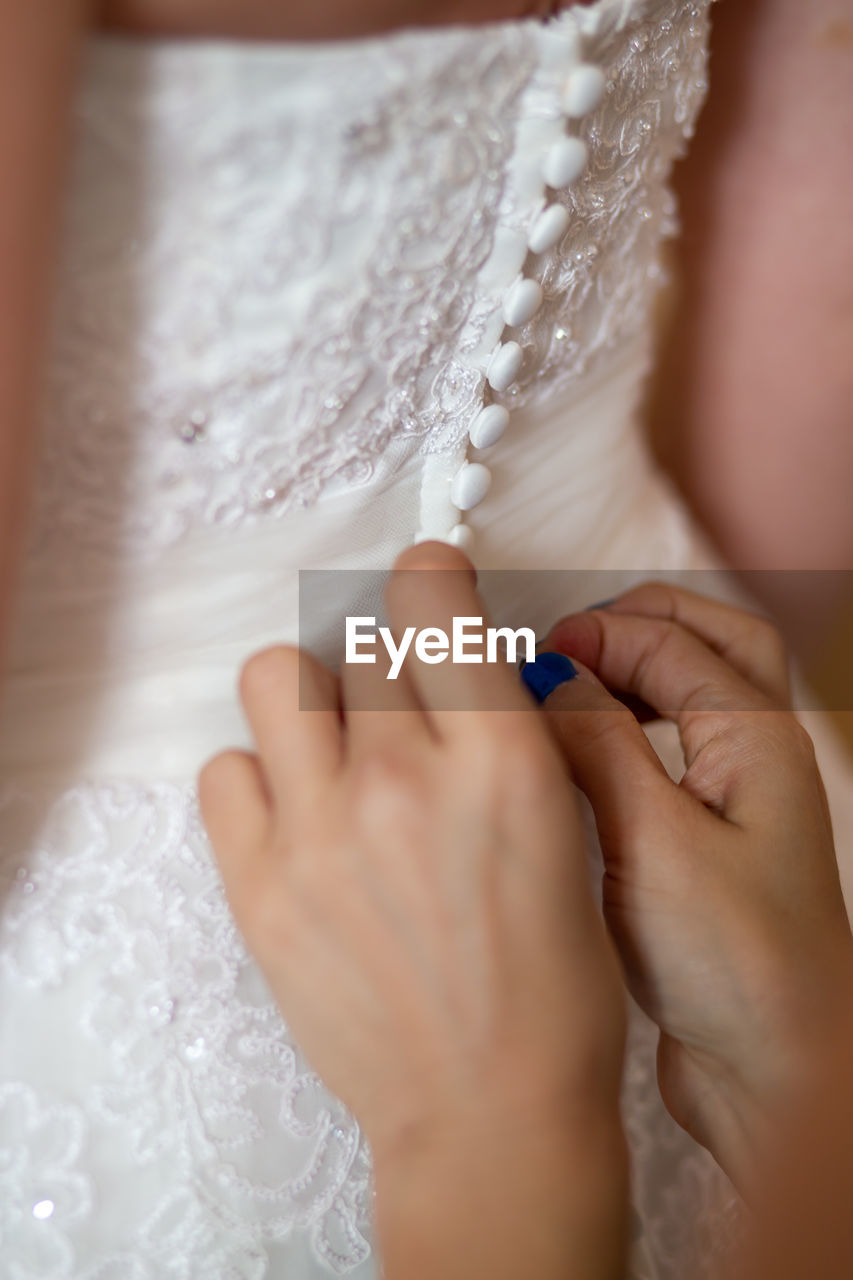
{"x": 547, "y": 672}
{"x": 602, "y": 604}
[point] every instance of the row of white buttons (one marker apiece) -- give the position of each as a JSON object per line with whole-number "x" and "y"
{"x": 563, "y": 164}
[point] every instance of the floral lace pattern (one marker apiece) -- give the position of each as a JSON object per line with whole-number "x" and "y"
{"x": 254, "y": 302}
{"x": 196, "y": 1096}
{"x": 266, "y": 304}
{"x": 199, "y": 1143}
{"x": 44, "y": 1192}
{"x": 602, "y": 277}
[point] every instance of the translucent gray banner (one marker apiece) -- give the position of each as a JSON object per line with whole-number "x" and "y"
{"x": 715, "y": 608}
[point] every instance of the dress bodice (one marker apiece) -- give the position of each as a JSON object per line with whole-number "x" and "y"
{"x": 285, "y": 267}
{"x": 292, "y": 279}
{"x": 290, "y": 283}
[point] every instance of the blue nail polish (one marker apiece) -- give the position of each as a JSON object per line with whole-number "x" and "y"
{"x": 602, "y": 604}
{"x": 546, "y": 673}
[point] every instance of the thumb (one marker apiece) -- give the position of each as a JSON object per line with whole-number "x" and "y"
{"x": 609, "y": 756}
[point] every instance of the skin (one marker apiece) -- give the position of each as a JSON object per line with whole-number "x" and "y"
{"x": 721, "y": 890}
{"x": 801, "y": 1215}
{"x": 464, "y": 893}
{"x": 336, "y": 19}
{"x": 37, "y": 67}
{"x": 751, "y": 407}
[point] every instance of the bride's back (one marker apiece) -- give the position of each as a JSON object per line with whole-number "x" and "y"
{"x": 283, "y": 20}
{"x": 287, "y": 270}
{"x": 292, "y": 280}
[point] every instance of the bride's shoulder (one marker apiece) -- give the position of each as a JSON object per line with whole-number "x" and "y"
{"x": 282, "y": 20}
{"x": 38, "y": 43}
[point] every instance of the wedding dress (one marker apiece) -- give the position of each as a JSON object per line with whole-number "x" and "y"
{"x": 304, "y": 289}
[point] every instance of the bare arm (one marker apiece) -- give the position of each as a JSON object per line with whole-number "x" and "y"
{"x": 38, "y": 42}
{"x": 283, "y": 20}
{"x": 753, "y": 405}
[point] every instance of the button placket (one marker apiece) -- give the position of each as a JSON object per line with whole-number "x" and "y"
{"x": 563, "y": 163}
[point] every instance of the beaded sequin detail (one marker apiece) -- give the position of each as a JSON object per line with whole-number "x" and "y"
{"x": 253, "y": 304}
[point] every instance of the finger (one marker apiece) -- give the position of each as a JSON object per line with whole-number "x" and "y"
{"x": 750, "y": 644}
{"x": 639, "y": 709}
{"x": 380, "y": 709}
{"x": 665, "y": 665}
{"x": 610, "y": 757}
{"x": 292, "y": 705}
{"x": 431, "y": 586}
{"x": 236, "y": 809}
{"x": 237, "y": 812}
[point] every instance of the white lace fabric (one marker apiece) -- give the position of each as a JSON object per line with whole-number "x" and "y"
{"x": 198, "y": 1136}
{"x": 268, "y": 281}
{"x": 281, "y": 267}
{"x": 277, "y": 258}
{"x": 161, "y": 1121}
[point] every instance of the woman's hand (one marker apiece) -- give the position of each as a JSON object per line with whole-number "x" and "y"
{"x": 406, "y": 863}
{"x": 722, "y": 891}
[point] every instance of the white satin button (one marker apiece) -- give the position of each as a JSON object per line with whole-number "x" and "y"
{"x": 548, "y": 228}
{"x": 565, "y": 162}
{"x": 488, "y": 426}
{"x": 470, "y": 485}
{"x": 504, "y": 366}
{"x": 584, "y": 90}
{"x": 522, "y": 301}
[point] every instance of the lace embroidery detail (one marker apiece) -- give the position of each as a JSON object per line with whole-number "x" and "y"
{"x": 600, "y": 277}
{"x": 44, "y": 1195}
{"x": 290, "y": 294}
{"x": 600, "y": 281}
{"x": 197, "y": 1100}
{"x": 209, "y": 1146}
{"x": 253, "y": 303}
